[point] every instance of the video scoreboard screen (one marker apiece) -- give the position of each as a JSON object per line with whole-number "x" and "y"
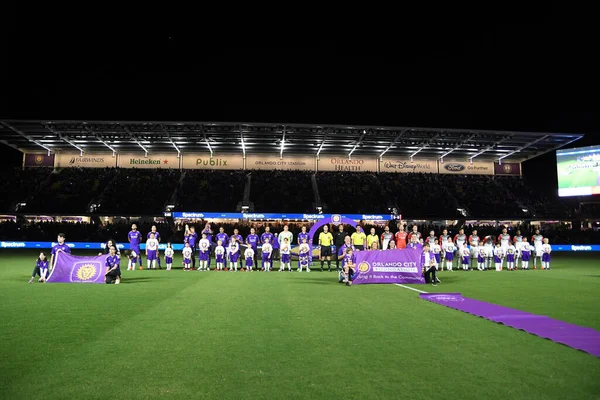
{"x": 578, "y": 171}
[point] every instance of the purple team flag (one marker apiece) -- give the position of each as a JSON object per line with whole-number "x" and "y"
{"x": 389, "y": 266}
{"x": 77, "y": 269}
{"x": 39, "y": 160}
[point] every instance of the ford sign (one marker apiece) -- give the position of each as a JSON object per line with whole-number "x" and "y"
{"x": 454, "y": 167}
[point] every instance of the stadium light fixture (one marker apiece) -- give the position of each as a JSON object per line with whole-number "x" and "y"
{"x": 87, "y": 128}
{"x": 32, "y": 140}
{"x": 489, "y": 148}
{"x": 457, "y": 147}
{"x": 171, "y": 140}
{"x": 358, "y": 143}
{"x": 135, "y": 140}
{"x": 64, "y": 139}
{"x": 424, "y": 146}
{"x": 282, "y": 145}
{"x": 521, "y": 148}
{"x": 392, "y": 144}
{"x": 207, "y": 142}
{"x": 243, "y": 144}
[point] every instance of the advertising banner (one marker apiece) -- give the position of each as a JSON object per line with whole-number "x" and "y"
{"x": 466, "y": 168}
{"x": 38, "y": 160}
{"x": 405, "y": 165}
{"x": 342, "y": 163}
{"x": 138, "y": 160}
{"x": 355, "y": 217}
{"x": 272, "y": 162}
{"x": 203, "y": 161}
{"x": 389, "y": 266}
{"x": 507, "y": 169}
{"x": 100, "y": 160}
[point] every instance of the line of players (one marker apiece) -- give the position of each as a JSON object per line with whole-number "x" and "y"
{"x": 506, "y": 251}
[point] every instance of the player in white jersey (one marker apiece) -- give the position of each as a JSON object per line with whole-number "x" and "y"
{"x": 518, "y": 241}
{"x": 546, "y": 250}
{"x": 504, "y": 239}
{"x": 220, "y": 255}
{"x": 169, "y": 252}
{"x": 474, "y": 242}
{"x": 489, "y": 252}
{"x": 460, "y": 240}
{"x": 537, "y": 240}
{"x": 151, "y": 251}
{"x": 444, "y": 237}
{"x": 498, "y": 256}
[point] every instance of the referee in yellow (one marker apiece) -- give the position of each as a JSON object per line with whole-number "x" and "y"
{"x": 325, "y": 241}
{"x": 359, "y": 239}
{"x": 372, "y": 238}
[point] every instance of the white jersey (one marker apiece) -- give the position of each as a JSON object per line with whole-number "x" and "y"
{"x": 151, "y": 244}
{"x": 284, "y": 234}
{"x": 460, "y": 240}
{"x": 187, "y": 253}
{"x": 219, "y": 250}
{"x": 474, "y": 250}
{"x": 511, "y": 249}
{"x": 518, "y": 241}
{"x": 489, "y": 249}
{"x": 504, "y": 239}
{"x": 449, "y": 248}
{"x": 474, "y": 240}
{"x": 267, "y": 248}
{"x": 444, "y": 239}
{"x": 538, "y": 240}
{"x": 303, "y": 248}
{"x": 249, "y": 253}
{"x": 169, "y": 252}
{"x": 546, "y": 248}
{"x": 204, "y": 245}
{"x": 498, "y": 251}
{"x": 466, "y": 252}
{"x": 428, "y": 259}
{"x": 436, "y": 248}
{"x": 233, "y": 247}
{"x": 285, "y": 248}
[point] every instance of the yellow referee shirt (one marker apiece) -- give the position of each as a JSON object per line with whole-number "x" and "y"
{"x": 372, "y": 239}
{"x": 358, "y": 239}
{"x": 325, "y": 239}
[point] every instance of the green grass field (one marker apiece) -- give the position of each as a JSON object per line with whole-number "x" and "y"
{"x": 584, "y": 177}
{"x": 225, "y": 335}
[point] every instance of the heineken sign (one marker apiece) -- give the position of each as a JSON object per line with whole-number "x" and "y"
{"x": 152, "y": 161}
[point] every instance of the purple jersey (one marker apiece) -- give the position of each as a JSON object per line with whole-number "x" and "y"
{"x": 209, "y": 234}
{"x": 192, "y": 239}
{"x": 42, "y": 265}
{"x": 266, "y": 235}
{"x": 350, "y": 259}
{"x": 302, "y": 236}
{"x": 62, "y": 247}
{"x": 113, "y": 261}
{"x": 223, "y": 237}
{"x": 252, "y": 240}
{"x": 135, "y": 238}
{"x": 275, "y": 242}
{"x": 156, "y": 235}
{"x": 238, "y": 237}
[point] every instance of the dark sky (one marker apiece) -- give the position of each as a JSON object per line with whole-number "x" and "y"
{"x": 537, "y": 74}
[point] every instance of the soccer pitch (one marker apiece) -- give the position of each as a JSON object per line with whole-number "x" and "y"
{"x": 227, "y": 335}
{"x": 567, "y": 178}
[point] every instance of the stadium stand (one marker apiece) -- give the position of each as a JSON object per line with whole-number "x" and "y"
{"x": 203, "y": 190}
{"x": 19, "y": 184}
{"x": 352, "y": 192}
{"x": 282, "y": 191}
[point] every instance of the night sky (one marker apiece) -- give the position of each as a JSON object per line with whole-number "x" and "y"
{"x": 532, "y": 75}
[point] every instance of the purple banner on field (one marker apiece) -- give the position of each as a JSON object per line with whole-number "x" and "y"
{"x": 39, "y": 160}
{"x": 507, "y": 169}
{"x": 389, "y": 266}
{"x": 75, "y": 269}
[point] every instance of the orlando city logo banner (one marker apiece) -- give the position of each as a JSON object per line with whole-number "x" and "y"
{"x": 389, "y": 266}
{"x": 77, "y": 269}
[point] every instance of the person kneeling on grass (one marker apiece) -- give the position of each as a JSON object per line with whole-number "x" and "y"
{"x": 349, "y": 266}
{"x": 113, "y": 270}
{"x": 41, "y": 268}
{"x": 429, "y": 266}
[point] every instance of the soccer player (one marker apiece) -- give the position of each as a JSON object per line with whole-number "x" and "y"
{"x": 325, "y": 241}
{"x": 372, "y": 238}
{"x": 267, "y": 254}
{"x": 481, "y": 257}
{"x": 386, "y": 238}
{"x": 339, "y": 239}
{"x": 430, "y": 239}
{"x": 303, "y": 235}
{"x": 238, "y": 238}
{"x": 209, "y": 235}
{"x": 546, "y": 250}
{"x": 525, "y": 254}
{"x": 157, "y": 237}
{"x": 401, "y": 238}
{"x": 204, "y": 253}
{"x": 249, "y": 256}
{"x": 135, "y": 239}
{"x": 303, "y": 256}
{"x": 429, "y": 265}
{"x": 518, "y": 241}
{"x": 187, "y": 256}
{"x": 349, "y": 266}
{"x": 276, "y": 245}
{"x": 538, "y": 241}
{"x": 219, "y": 254}
{"x": 222, "y": 236}
{"x": 251, "y": 241}
{"x": 414, "y": 232}
{"x": 466, "y": 258}
{"x": 169, "y": 252}
{"x": 474, "y": 242}
{"x": 234, "y": 253}
{"x": 489, "y": 252}
{"x": 285, "y": 255}
{"x": 436, "y": 249}
{"x": 60, "y": 246}
{"x": 444, "y": 237}
{"x": 113, "y": 268}
{"x": 359, "y": 239}
{"x": 504, "y": 239}
{"x": 449, "y": 252}
{"x": 511, "y": 253}
{"x": 191, "y": 237}
{"x": 286, "y": 234}
{"x": 498, "y": 256}
{"x": 41, "y": 268}
{"x": 151, "y": 250}
{"x": 460, "y": 239}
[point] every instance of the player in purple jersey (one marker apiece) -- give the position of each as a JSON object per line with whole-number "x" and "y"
{"x": 276, "y": 246}
{"x": 157, "y": 237}
{"x": 222, "y": 236}
{"x": 41, "y": 268}
{"x": 209, "y": 235}
{"x": 191, "y": 237}
{"x": 135, "y": 238}
{"x": 252, "y": 241}
{"x": 303, "y": 235}
{"x": 349, "y": 265}
{"x": 60, "y": 246}
{"x": 113, "y": 270}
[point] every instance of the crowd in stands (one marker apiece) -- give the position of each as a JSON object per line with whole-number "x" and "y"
{"x": 203, "y": 190}
{"x": 282, "y": 191}
{"x": 352, "y": 192}
{"x": 19, "y": 184}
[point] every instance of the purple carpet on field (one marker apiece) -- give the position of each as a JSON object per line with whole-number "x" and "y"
{"x": 575, "y": 336}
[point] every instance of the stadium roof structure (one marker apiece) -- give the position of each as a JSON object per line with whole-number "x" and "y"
{"x": 271, "y": 138}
